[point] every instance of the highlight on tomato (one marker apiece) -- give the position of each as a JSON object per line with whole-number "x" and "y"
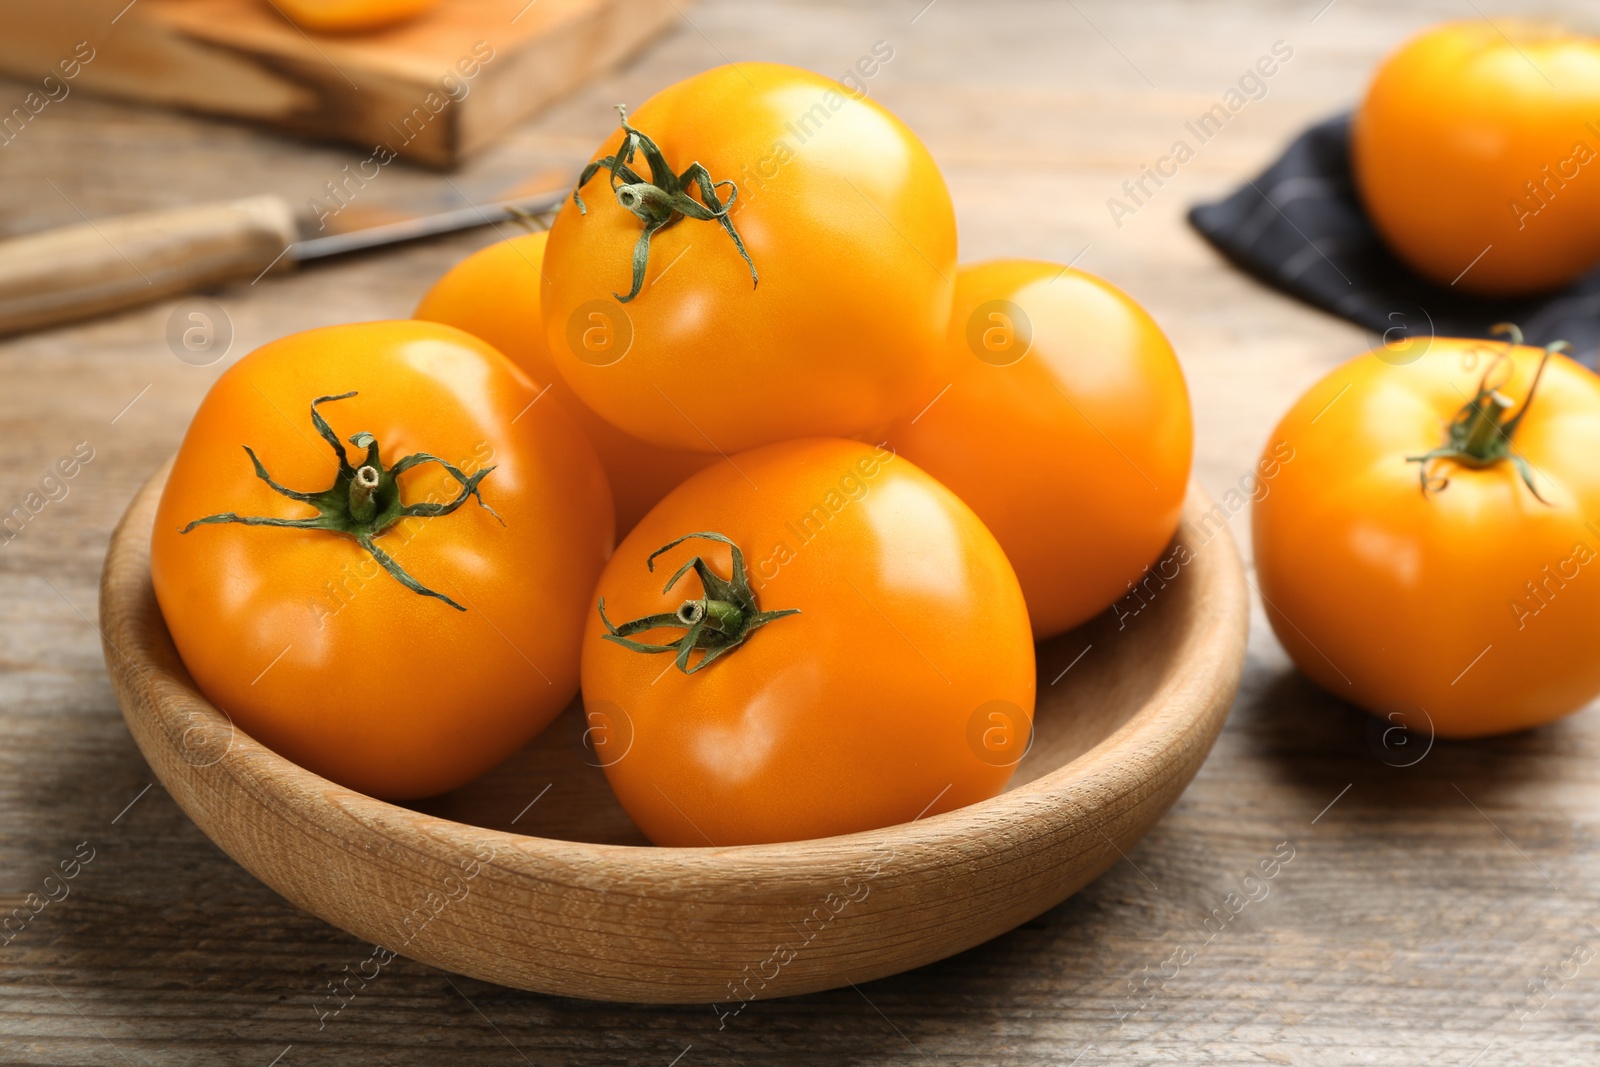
{"x": 1064, "y": 422}
{"x": 843, "y": 648}
{"x": 1429, "y": 552}
{"x": 757, "y": 254}
{"x": 494, "y": 294}
{"x": 375, "y": 553}
{"x": 1474, "y": 151}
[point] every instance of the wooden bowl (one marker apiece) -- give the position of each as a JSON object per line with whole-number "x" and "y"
{"x": 533, "y": 876}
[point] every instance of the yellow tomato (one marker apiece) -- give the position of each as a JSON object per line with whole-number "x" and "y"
{"x": 663, "y": 327}
{"x": 402, "y": 640}
{"x": 845, "y": 647}
{"x": 494, "y": 294}
{"x": 1476, "y": 154}
{"x": 351, "y": 16}
{"x": 1405, "y": 560}
{"x": 1064, "y": 423}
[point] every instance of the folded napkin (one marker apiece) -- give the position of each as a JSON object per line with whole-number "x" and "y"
{"x": 1300, "y": 228}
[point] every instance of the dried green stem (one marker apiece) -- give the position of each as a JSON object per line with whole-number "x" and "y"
{"x": 1481, "y": 434}
{"x": 663, "y": 200}
{"x": 363, "y": 502}
{"x": 363, "y": 487}
{"x": 718, "y": 622}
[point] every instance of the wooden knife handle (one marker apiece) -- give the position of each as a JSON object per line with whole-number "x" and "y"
{"x": 77, "y": 271}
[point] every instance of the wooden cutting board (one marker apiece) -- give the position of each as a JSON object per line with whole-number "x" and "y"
{"x": 434, "y": 90}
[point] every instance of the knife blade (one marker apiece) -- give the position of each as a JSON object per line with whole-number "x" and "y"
{"x": 76, "y": 272}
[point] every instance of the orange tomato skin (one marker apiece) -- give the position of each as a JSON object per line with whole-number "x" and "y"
{"x": 846, "y": 218}
{"x": 493, "y": 294}
{"x": 352, "y": 16}
{"x": 1469, "y": 140}
{"x": 1472, "y": 609}
{"x": 855, "y": 714}
{"x": 303, "y": 640}
{"x": 1073, "y": 449}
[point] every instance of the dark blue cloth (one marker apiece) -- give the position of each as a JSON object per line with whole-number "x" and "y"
{"x": 1301, "y": 229}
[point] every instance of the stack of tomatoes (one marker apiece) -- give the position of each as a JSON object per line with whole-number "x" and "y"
{"x": 855, "y": 484}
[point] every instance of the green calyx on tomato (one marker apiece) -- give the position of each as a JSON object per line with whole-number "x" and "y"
{"x": 363, "y": 501}
{"x": 1480, "y": 434}
{"x": 717, "y": 623}
{"x": 663, "y": 200}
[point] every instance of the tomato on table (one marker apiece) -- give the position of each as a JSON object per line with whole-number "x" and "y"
{"x": 850, "y": 651}
{"x": 772, "y": 260}
{"x": 1064, "y": 422}
{"x": 1427, "y": 549}
{"x": 1475, "y": 152}
{"x": 400, "y": 606}
{"x": 494, "y": 294}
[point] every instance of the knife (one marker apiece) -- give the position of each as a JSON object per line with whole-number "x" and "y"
{"x": 72, "y": 273}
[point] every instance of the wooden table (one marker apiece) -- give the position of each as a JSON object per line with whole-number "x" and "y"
{"x": 1438, "y": 913}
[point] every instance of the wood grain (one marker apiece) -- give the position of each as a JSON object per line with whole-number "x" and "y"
{"x": 437, "y": 89}
{"x": 1117, "y": 740}
{"x": 1420, "y": 906}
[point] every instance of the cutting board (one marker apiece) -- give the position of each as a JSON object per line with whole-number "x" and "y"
{"x": 434, "y": 90}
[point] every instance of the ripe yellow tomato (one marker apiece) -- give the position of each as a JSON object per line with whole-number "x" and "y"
{"x": 1476, "y": 152}
{"x": 410, "y": 611}
{"x": 825, "y": 197}
{"x": 494, "y": 294}
{"x": 1064, "y": 422}
{"x": 851, "y": 651}
{"x": 1444, "y": 592}
{"x": 351, "y": 16}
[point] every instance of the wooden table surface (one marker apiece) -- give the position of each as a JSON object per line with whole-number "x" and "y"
{"x": 1440, "y": 907}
